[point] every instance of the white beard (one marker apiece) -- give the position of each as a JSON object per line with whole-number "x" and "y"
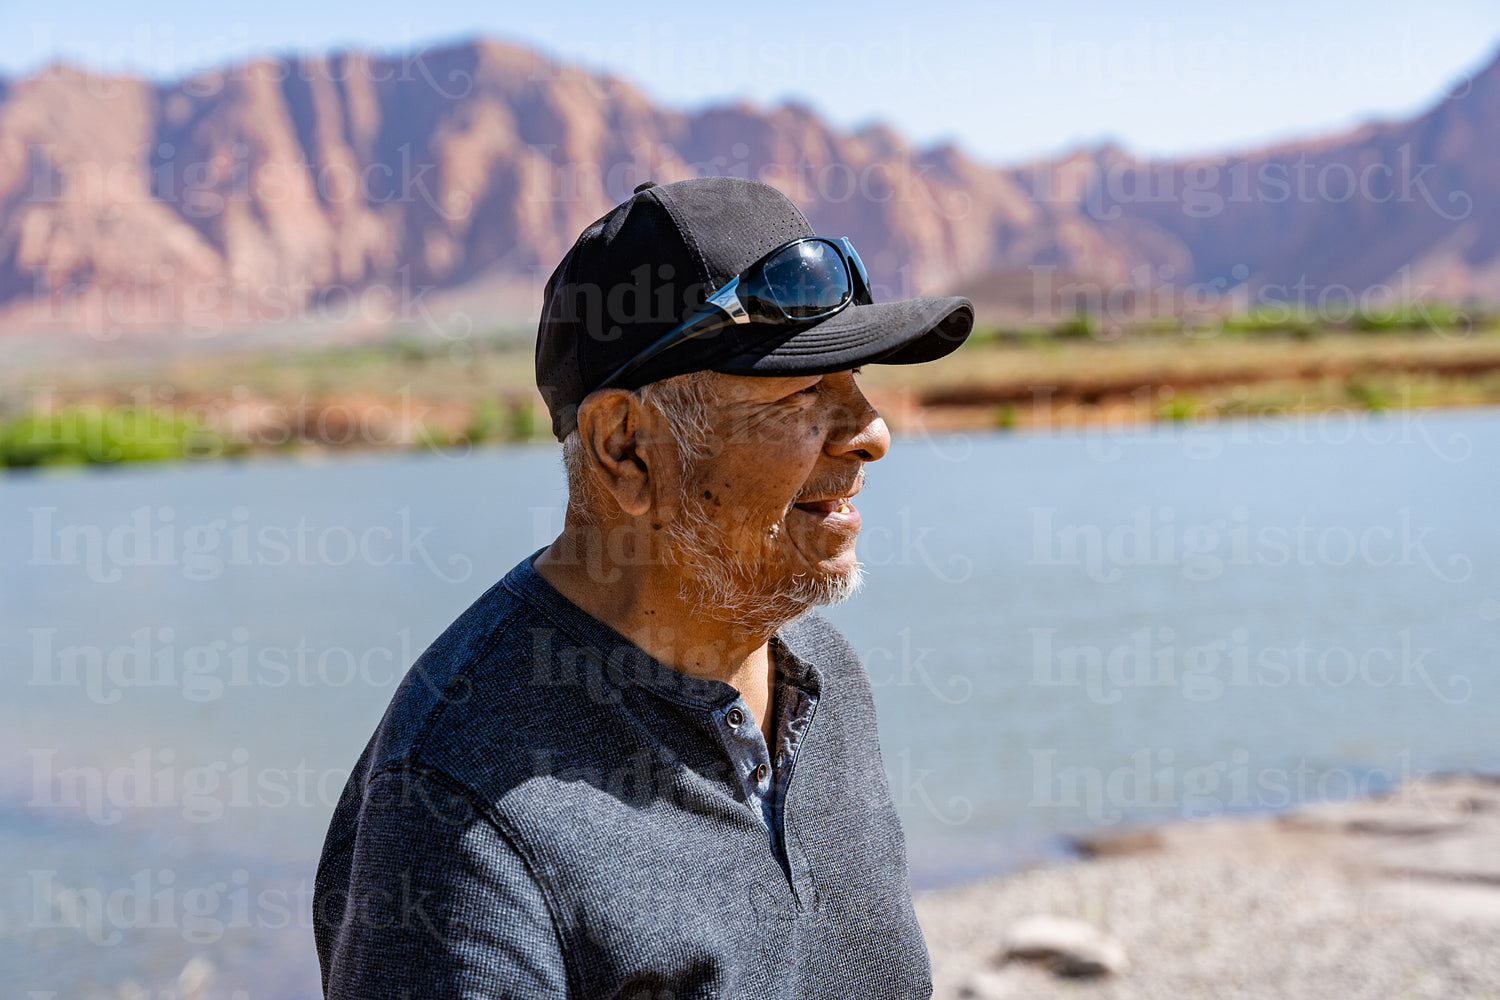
{"x": 721, "y": 582}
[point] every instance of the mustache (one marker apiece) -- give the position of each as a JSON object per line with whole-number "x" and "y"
{"x": 825, "y": 488}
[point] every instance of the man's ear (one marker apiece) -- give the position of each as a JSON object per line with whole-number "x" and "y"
{"x": 610, "y": 425}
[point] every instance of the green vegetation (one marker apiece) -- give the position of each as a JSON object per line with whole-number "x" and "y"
{"x": 1276, "y": 321}
{"x": 1437, "y": 317}
{"x": 420, "y": 393}
{"x": 1273, "y": 322}
{"x": 1180, "y": 408}
{"x": 95, "y": 435}
{"x": 1368, "y": 394}
{"x": 486, "y": 424}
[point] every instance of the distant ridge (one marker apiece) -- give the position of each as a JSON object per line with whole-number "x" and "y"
{"x": 353, "y": 188}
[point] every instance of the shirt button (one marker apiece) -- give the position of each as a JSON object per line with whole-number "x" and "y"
{"x": 735, "y": 718}
{"x": 761, "y": 772}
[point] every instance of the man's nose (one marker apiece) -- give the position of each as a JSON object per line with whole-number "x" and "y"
{"x": 858, "y": 430}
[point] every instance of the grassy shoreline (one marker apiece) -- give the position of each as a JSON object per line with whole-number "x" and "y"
{"x": 404, "y": 394}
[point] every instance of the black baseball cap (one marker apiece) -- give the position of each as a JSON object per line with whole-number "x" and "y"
{"x": 640, "y": 270}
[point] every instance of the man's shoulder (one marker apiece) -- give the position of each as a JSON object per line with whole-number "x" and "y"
{"x": 504, "y": 664}
{"x": 441, "y": 681}
{"x": 522, "y": 680}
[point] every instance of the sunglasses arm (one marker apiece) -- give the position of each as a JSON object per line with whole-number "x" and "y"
{"x": 722, "y": 308}
{"x": 728, "y": 300}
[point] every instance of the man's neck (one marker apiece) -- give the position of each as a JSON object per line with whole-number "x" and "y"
{"x": 643, "y": 601}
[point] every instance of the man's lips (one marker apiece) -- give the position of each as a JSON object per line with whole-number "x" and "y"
{"x": 832, "y": 512}
{"x": 833, "y": 505}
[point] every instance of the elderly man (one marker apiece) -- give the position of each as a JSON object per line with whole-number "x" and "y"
{"x": 639, "y": 766}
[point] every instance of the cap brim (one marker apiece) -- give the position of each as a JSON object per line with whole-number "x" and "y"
{"x": 907, "y": 332}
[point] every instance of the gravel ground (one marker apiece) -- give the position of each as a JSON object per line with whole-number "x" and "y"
{"x": 1394, "y": 898}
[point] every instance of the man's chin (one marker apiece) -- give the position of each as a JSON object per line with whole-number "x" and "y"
{"x": 827, "y": 588}
{"x": 770, "y": 607}
{"x": 726, "y": 584}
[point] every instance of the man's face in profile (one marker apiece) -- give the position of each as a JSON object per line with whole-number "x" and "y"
{"x": 764, "y": 510}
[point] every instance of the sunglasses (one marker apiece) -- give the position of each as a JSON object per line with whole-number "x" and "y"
{"x": 801, "y": 282}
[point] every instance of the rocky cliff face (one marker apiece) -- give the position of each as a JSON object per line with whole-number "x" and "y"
{"x": 347, "y": 187}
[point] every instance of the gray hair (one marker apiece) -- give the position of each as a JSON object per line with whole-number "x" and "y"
{"x": 683, "y": 401}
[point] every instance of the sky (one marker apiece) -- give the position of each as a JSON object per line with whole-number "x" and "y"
{"x": 1005, "y": 81}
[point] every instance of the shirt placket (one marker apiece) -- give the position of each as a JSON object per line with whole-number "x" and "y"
{"x": 748, "y": 755}
{"x": 763, "y": 782}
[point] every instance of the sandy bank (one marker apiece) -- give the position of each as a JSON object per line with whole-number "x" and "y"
{"x": 1393, "y": 897}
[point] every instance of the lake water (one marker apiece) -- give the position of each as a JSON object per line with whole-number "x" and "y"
{"x": 1064, "y": 632}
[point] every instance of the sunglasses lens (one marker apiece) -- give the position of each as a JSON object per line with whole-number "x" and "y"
{"x": 807, "y": 280}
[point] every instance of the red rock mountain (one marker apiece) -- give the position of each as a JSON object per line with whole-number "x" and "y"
{"x": 349, "y": 187}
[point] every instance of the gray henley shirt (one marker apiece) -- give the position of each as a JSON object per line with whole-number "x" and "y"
{"x": 547, "y": 811}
